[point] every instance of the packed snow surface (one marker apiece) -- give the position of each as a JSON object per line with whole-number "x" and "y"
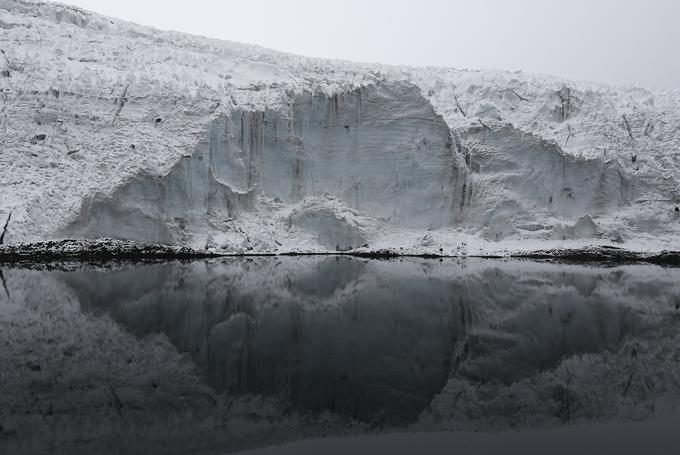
{"x": 111, "y": 129}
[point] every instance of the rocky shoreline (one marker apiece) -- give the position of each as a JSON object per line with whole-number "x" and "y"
{"x": 101, "y": 249}
{"x": 108, "y": 250}
{"x": 603, "y": 255}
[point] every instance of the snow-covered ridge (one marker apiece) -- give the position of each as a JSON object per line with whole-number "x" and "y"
{"x": 111, "y": 129}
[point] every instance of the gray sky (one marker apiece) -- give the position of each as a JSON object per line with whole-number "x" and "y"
{"x": 623, "y": 42}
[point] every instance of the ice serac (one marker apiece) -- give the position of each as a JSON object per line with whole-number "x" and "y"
{"x": 380, "y": 150}
{"x": 521, "y": 180}
{"x": 162, "y": 208}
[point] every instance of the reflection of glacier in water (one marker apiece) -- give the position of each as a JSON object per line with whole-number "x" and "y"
{"x": 336, "y": 344}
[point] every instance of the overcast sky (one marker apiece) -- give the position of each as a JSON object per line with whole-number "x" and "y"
{"x": 623, "y": 42}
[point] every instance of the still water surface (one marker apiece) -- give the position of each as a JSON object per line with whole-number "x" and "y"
{"x": 224, "y": 355}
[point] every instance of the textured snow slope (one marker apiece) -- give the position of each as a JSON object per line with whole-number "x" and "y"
{"x": 117, "y": 130}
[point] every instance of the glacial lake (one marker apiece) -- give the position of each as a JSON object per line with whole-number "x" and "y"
{"x": 226, "y": 355}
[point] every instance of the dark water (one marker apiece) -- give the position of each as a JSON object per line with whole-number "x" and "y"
{"x": 223, "y": 355}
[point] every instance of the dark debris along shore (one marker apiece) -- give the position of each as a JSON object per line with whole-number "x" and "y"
{"x": 604, "y": 254}
{"x": 102, "y": 250}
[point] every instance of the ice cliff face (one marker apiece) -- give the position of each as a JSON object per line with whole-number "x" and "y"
{"x": 110, "y": 129}
{"x": 380, "y": 149}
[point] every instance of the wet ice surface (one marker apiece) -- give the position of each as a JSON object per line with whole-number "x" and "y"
{"x": 224, "y": 355}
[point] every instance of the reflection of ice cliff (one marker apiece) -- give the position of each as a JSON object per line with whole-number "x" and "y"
{"x": 231, "y": 353}
{"x": 385, "y": 341}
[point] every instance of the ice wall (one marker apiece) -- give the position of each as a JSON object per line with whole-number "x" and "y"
{"x": 161, "y": 208}
{"x": 380, "y": 149}
{"x": 521, "y": 182}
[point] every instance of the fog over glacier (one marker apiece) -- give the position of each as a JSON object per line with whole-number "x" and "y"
{"x": 621, "y": 42}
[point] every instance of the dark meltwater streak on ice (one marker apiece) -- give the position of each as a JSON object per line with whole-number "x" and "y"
{"x": 222, "y": 355}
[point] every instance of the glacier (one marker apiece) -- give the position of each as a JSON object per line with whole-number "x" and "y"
{"x": 115, "y": 130}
